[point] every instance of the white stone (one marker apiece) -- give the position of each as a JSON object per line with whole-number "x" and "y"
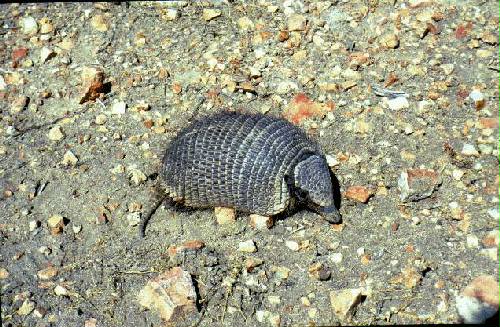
{"x": 61, "y": 291}
{"x": 493, "y": 213}
{"x": 118, "y": 108}
{"x": 292, "y": 245}
{"x": 33, "y": 224}
{"x": 457, "y": 174}
{"x": 336, "y": 257}
{"x": 469, "y": 150}
{"x": 332, "y": 161}
{"x": 29, "y": 25}
{"x": 3, "y": 85}
{"x": 472, "y": 241}
{"x": 247, "y": 246}
{"x": 171, "y": 14}
{"x": 45, "y": 54}
{"x": 476, "y": 96}
{"x": 134, "y": 218}
{"x": 398, "y": 103}
{"x": 286, "y": 87}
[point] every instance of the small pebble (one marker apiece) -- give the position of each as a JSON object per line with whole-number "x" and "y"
{"x": 209, "y": 14}
{"x": 134, "y": 218}
{"x": 136, "y": 176}
{"x": 247, "y": 246}
{"x": 77, "y": 228}
{"x": 46, "y": 54}
{"x": 55, "y": 133}
{"x": 469, "y": 150}
{"x": 225, "y": 215}
{"x": 245, "y": 23}
{"x": 118, "y": 108}
{"x": 344, "y": 301}
{"x": 69, "y": 159}
{"x": 47, "y": 273}
{"x": 336, "y": 257}
{"x": 99, "y": 23}
{"x": 398, "y": 103}
{"x": 4, "y": 274}
{"x": 101, "y": 119}
{"x": 472, "y": 241}
{"x": 29, "y": 25}
{"x": 493, "y": 213}
{"x": 56, "y": 224}
{"x": 261, "y": 222}
{"x": 296, "y": 22}
{"x": 292, "y": 245}
{"x": 61, "y": 291}
{"x": 26, "y": 308}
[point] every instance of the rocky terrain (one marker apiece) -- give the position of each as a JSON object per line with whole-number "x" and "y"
{"x": 402, "y": 96}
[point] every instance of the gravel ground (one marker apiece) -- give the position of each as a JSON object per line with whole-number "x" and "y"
{"x": 401, "y": 95}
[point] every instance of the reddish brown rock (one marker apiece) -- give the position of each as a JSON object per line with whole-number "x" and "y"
{"x": 301, "y": 107}
{"x": 92, "y": 81}
{"x": 358, "y": 193}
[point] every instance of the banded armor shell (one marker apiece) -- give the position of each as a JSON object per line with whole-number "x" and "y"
{"x": 243, "y": 161}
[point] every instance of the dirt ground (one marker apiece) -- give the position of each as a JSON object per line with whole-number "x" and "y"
{"x": 76, "y": 173}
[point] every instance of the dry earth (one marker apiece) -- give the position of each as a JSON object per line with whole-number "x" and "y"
{"x": 91, "y": 94}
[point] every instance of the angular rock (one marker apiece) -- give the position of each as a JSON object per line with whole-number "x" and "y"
{"x": 260, "y": 222}
{"x": 99, "y": 23}
{"x": 469, "y": 150}
{"x": 247, "y": 246}
{"x": 29, "y": 25}
{"x": 479, "y": 300}
{"x": 47, "y": 273}
{"x": 60, "y": 290}
{"x": 245, "y": 23}
{"x": 92, "y": 81}
{"x": 398, "y": 103}
{"x": 19, "y": 104}
{"x": 69, "y": 159}
{"x": 118, "y": 108}
{"x": 302, "y": 107}
{"x": 46, "y": 54}
{"x": 55, "y": 224}
{"x": 55, "y": 133}
{"x": 225, "y": 215}
{"x": 358, "y": 193}
{"x": 344, "y": 301}
{"x": 418, "y": 184}
{"x": 209, "y": 14}
{"x": 296, "y": 22}
{"x": 26, "y": 308}
{"x": 172, "y": 295}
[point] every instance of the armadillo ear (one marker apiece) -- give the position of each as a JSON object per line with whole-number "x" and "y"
{"x": 312, "y": 176}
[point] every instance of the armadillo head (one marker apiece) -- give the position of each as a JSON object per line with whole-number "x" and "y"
{"x": 313, "y": 184}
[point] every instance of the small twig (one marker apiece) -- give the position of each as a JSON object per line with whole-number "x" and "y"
{"x": 136, "y": 272}
{"x": 382, "y": 92}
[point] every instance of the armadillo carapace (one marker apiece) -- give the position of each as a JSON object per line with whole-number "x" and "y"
{"x": 250, "y": 162}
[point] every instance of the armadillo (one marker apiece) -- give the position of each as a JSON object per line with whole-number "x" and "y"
{"x": 250, "y": 162}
